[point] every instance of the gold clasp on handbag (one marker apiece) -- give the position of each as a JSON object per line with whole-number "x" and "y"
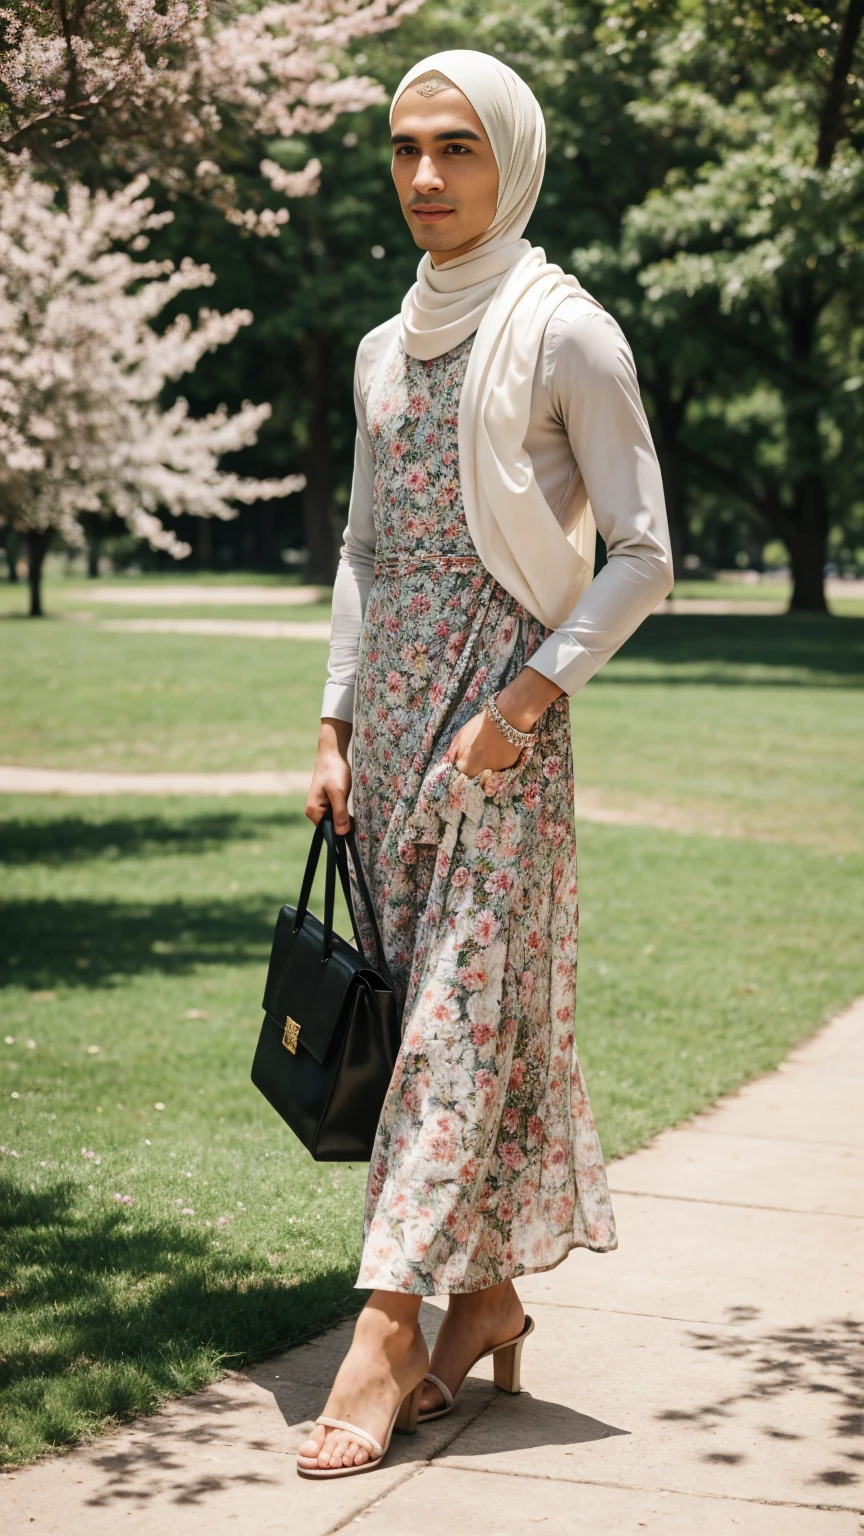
{"x": 291, "y": 1035}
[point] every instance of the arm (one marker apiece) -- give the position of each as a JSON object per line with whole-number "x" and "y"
{"x": 595, "y": 392}
{"x": 331, "y": 778}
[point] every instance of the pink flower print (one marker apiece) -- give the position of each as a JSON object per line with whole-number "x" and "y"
{"x": 510, "y": 1121}
{"x": 395, "y": 685}
{"x": 472, "y": 977}
{"x": 557, "y": 832}
{"x": 418, "y": 404}
{"x": 486, "y": 1087}
{"x": 482, "y": 1033}
{"x": 397, "y": 448}
{"x": 535, "y": 942}
{"x": 506, "y": 1207}
{"x": 460, "y": 877}
{"x": 442, "y": 629}
{"x": 485, "y": 840}
{"x": 486, "y": 926}
{"x": 447, "y": 458}
{"x": 500, "y": 883}
{"x": 552, "y": 767}
{"x": 562, "y": 1211}
{"x": 453, "y": 649}
{"x": 419, "y": 604}
{"x": 527, "y": 983}
{"x": 416, "y": 480}
{"x": 512, "y": 1156}
{"x": 535, "y": 1128}
{"x": 517, "y": 1076}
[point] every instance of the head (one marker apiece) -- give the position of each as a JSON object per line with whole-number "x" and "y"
{"x": 468, "y": 152}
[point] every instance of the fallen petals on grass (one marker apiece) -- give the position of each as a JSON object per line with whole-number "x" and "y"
{"x": 90, "y": 1155}
{"x": 159, "y": 1106}
{"x": 187, "y": 1211}
{"x": 124, "y": 1199}
{"x": 93, "y": 1050}
{"x": 7, "y": 1152}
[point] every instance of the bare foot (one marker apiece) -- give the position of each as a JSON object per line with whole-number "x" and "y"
{"x": 386, "y": 1360}
{"x": 473, "y": 1323}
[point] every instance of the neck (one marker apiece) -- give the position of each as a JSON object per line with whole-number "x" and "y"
{"x": 438, "y": 258}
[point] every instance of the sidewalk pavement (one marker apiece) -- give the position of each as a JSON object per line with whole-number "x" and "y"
{"x": 705, "y": 1378}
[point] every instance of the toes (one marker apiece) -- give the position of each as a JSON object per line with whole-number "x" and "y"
{"x": 361, "y": 1455}
{"x": 311, "y": 1448}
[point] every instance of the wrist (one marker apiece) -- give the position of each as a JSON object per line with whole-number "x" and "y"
{"x": 526, "y": 698}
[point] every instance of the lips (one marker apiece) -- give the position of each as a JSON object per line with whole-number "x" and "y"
{"x": 431, "y": 215}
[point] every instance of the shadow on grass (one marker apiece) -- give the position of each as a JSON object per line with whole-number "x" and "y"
{"x": 107, "y": 1315}
{"x": 45, "y": 942}
{"x": 728, "y": 648}
{"x": 59, "y": 840}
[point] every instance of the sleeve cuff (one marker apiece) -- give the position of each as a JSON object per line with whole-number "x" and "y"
{"x": 338, "y": 701}
{"x": 564, "y": 661}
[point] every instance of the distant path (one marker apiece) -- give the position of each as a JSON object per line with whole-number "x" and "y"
{"x": 201, "y": 597}
{"x": 590, "y": 803}
{"x": 256, "y": 629}
{"x": 64, "y": 781}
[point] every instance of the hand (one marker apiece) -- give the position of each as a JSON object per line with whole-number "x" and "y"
{"x": 478, "y": 745}
{"x": 331, "y": 776}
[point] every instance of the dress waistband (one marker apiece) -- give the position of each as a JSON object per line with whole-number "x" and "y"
{"x": 396, "y": 562}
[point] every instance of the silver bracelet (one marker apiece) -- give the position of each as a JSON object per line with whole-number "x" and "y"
{"x": 516, "y": 738}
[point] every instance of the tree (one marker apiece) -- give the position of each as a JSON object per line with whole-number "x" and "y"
{"x": 112, "y": 88}
{"x": 82, "y": 371}
{"x": 750, "y": 258}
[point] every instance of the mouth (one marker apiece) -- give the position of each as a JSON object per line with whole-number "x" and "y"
{"x": 431, "y": 215}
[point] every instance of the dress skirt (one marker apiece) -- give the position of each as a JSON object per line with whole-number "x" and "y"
{"x": 487, "y": 1163}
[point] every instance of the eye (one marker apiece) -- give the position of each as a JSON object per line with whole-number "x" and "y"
{"x": 459, "y": 149}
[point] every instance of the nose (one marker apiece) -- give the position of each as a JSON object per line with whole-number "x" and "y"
{"x": 428, "y": 177}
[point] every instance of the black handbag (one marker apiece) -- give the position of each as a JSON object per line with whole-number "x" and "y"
{"x": 331, "y": 1030}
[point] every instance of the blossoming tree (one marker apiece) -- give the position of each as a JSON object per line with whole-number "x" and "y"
{"x": 82, "y": 371}
{"x": 111, "y": 88}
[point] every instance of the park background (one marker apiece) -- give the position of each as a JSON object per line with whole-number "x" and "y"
{"x": 704, "y": 178}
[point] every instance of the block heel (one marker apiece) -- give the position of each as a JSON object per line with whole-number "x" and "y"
{"x": 409, "y": 1408}
{"x": 506, "y": 1366}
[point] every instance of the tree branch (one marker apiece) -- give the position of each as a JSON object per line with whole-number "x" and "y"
{"x": 831, "y": 125}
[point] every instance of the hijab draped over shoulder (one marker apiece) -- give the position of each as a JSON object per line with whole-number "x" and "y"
{"x": 504, "y": 290}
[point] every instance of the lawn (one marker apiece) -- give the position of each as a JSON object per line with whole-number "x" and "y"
{"x": 134, "y": 938}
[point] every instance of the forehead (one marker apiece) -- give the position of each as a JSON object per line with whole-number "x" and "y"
{"x": 446, "y": 111}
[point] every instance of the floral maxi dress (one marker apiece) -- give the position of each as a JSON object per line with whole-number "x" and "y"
{"x": 487, "y": 1163}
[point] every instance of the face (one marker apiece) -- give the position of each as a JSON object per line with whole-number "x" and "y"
{"x": 445, "y": 172}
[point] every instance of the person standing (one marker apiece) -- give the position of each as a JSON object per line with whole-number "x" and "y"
{"x": 499, "y": 422}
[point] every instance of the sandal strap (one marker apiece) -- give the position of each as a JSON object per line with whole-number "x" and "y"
{"x": 442, "y": 1388}
{"x": 352, "y": 1429}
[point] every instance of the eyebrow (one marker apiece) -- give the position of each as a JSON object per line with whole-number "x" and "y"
{"x": 439, "y": 138}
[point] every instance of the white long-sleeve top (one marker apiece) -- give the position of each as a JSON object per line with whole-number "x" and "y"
{"x": 587, "y": 424}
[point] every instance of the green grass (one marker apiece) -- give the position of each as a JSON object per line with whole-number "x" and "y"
{"x": 142, "y": 928}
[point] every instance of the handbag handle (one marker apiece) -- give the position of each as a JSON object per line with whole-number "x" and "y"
{"x": 348, "y": 839}
{"x": 323, "y": 833}
{"x": 336, "y": 842}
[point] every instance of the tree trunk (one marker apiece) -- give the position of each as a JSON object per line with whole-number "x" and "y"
{"x": 12, "y": 554}
{"x": 807, "y": 539}
{"x": 93, "y": 556}
{"x": 204, "y": 543}
{"x": 38, "y": 541}
{"x": 318, "y": 521}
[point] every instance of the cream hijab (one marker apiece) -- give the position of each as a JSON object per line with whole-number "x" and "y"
{"x": 506, "y": 291}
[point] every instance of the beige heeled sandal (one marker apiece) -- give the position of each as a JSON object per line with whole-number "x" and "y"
{"x": 507, "y": 1367}
{"x": 404, "y": 1421}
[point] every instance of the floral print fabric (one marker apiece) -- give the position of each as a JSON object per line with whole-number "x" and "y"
{"x": 487, "y": 1163}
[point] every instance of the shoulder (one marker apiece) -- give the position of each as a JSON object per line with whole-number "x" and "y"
{"x": 583, "y": 340}
{"x": 371, "y": 351}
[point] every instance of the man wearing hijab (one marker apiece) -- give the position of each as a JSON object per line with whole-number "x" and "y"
{"x": 498, "y": 419}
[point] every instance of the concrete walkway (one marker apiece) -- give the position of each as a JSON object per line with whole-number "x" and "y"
{"x": 705, "y": 1378}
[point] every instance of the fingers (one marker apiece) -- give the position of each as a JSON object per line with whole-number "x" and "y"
{"x": 341, "y": 818}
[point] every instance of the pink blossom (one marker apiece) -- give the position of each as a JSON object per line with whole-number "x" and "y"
{"x": 517, "y": 1076}
{"x": 486, "y": 926}
{"x": 512, "y": 1155}
{"x": 124, "y": 1199}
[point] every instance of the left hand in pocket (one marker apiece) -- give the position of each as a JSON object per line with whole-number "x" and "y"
{"x": 478, "y": 744}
